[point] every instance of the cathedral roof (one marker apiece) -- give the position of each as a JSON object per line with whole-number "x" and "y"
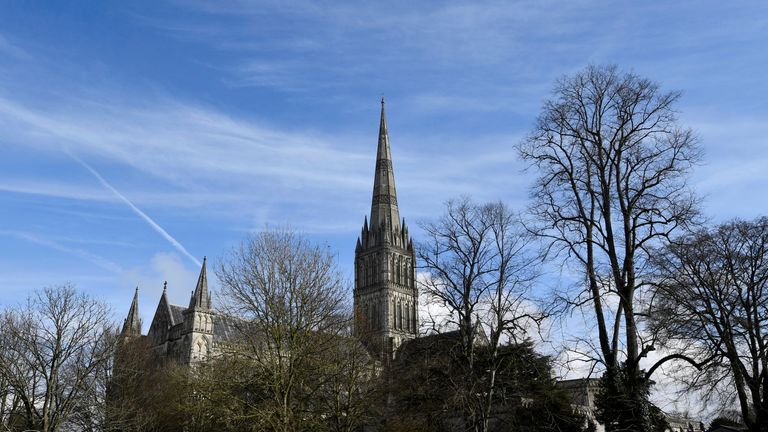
{"x": 176, "y": 312}
{"x": 224, "y": 329}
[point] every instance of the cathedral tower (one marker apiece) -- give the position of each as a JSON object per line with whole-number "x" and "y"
{"x": 385, "y": 293}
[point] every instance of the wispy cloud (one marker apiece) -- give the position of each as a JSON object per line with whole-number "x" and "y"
{"x": 11, "y": 49}
{"x": 80, "y": 253}
{"x": 160, "y": 230}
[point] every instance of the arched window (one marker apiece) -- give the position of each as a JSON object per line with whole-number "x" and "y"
{"x": 397, "y": 271}
{"x": 394, "y": 315}
{"x": 359, "y": 273}
{"x": 375, "y": 317}
{"x": 407, "y": 321}
{"x": 367, "y": 315}
{"x": 408, "y": 273}
{"x": 375, "y": 278}
{"x": 400, "y": 314}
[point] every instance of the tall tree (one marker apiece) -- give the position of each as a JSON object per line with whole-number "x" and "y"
{"x": 478, "y": 266}
{"x": 55, "y": 350}
{"x": 711, "y": 300}
{"x": 611, "y": 161}
{"x": 288, "y": 297}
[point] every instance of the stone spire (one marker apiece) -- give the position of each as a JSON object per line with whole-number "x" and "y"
{"x": 385, "y": 294}
{"x": 200, "y": 297}
{"x": 132, "y": 323}
{"x": 384, "y": 210}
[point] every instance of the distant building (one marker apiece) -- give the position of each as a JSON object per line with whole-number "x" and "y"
{"x": 583, "y": 393}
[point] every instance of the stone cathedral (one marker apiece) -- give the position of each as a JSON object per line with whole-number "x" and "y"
{"x": 385, "y": 295}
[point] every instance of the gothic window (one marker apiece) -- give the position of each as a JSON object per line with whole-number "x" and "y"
{"x": 408, "y": 273}
{"x": 397, "y": 271}
{"x": 374, "y": 317}
{"x": 367, "y": 315}
{"x": 400, "y": 315}
{"x": 407, "y": 321}
{"x": 359, "y": 274}
{"x": 394, "y": 314}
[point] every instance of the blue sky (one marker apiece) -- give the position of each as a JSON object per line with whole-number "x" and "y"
{"x": 215, "y": 119}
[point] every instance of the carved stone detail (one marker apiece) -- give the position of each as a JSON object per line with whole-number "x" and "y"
{"x": 383, "y": 164}
{"x": 384, "y": 199}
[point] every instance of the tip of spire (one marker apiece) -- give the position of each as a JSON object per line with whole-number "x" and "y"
{"x": 382, "y": 100}
{"x": 204, "y": 257}
{"x": 165, "y": 285}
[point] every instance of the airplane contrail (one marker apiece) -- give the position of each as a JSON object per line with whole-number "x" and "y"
{"x": 137, "y": 210}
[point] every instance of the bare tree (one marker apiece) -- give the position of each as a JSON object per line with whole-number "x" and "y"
{"x": 478, "y": 265}
{"x": 54, "y": 350}
{"x": 288, "y": 296}
{"x": 611, "y": 163}
{"x": 711, "y": 303}
{"x": 346, "y": 384}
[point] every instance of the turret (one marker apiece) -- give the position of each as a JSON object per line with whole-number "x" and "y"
{"x": 200, "y": 298}
{"x": 132, "y": 323}
{"x": 199, "y": 321}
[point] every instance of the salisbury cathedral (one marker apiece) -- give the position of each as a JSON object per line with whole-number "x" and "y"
{"x": 385, "y": 292}
{"x": 414, "y": 369}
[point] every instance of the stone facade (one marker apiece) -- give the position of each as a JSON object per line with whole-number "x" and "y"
{"x": 182, "y": 334}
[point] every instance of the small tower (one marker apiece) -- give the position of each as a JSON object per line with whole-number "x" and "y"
{"x": 132, "y": 323}
{"x": 198, "y": 322}
{"x": 385, "y": 295}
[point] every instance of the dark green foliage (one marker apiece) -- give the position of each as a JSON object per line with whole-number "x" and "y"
{"x": 622, "y": 403}
{"x": 425, "y": 390}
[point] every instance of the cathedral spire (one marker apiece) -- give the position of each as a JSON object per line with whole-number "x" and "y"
{"x": 132, "y": 323}
{"x": 384, "y": 203}
{"x": 200, "y": 297}
{"x": 385, "y": 294}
